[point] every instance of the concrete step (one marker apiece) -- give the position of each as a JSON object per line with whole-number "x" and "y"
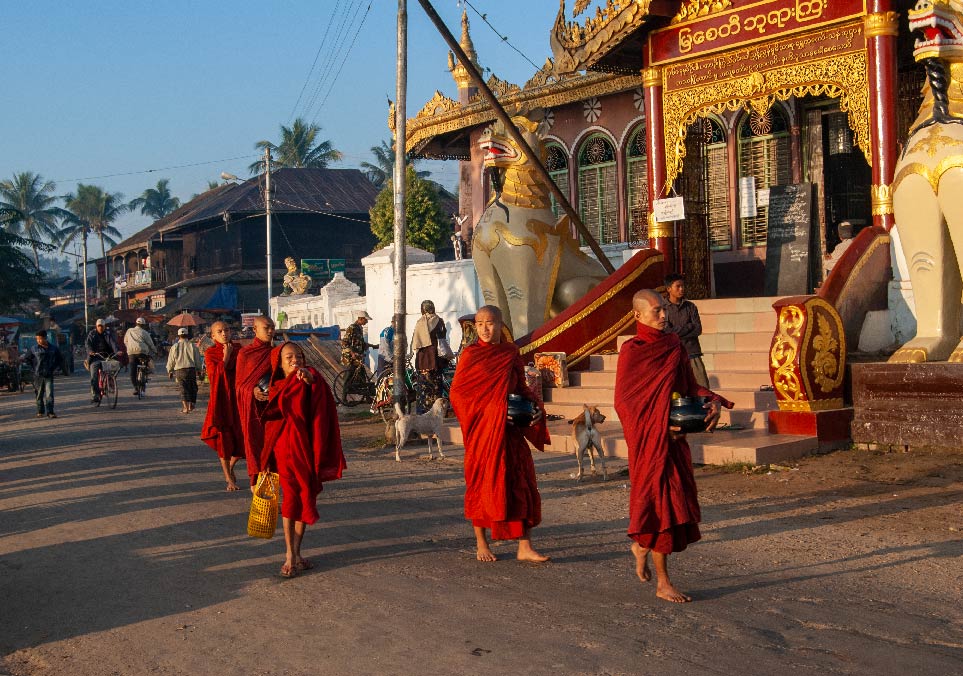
{"x": 726, "y": 306}
{"x": 731, "y": 380}
{"x": 741, "y": 417}
{"x": 736, "y": 361}
{"x": 758, "y": 341}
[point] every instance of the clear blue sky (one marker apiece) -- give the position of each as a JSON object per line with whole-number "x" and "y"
{"x": 111, "y": 87}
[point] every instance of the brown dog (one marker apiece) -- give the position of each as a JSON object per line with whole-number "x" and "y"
{"x": 587, "y": 435}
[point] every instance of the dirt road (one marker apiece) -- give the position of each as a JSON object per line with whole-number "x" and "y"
{"x": 120, "y": 553}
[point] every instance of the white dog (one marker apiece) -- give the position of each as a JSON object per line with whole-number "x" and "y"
{"x": 429, "y": 424}
{"x": 587, "y": 435}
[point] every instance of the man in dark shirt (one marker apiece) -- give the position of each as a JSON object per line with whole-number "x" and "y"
{"x": 353, "y": 344}
{"x": 100, "y": 345}
{"x": 45, "y": 359}
{"x": 682, "y": 319}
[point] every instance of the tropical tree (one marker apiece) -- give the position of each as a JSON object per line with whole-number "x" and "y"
{"x": 383, "y": 168}
{"x": 20, "y": 280}
{"x": 28, "y": 205}
{"x": 426, "y": 226}
{"x": 298, "y": 149}
{"x": 156, "y": 202}
{"x": 92, "y": 210}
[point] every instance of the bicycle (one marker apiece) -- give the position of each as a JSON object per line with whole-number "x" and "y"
{"x": 414, "y": 382}
{"x": 354, "y": 385}
{"x": 107, "y": 382}
{"x": 141, "y": 378}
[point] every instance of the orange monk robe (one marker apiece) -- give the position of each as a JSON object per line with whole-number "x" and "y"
{"x": 222, "y": 426}
{"x": 500, "y": 488}
{"x": 301, "y": 432}
{"x": 253, "y": 363}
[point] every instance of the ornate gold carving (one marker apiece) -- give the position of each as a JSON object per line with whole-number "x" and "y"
{"x": 652, "y": 77}
{"x": 547, "y": 76}
{"x": 882, "y": 200}
{"x": 881, "y": 24}
{"x": 909, "y": 355}
{"x": 783, "y": 354}
{"x": 798, "y": 356}
{"x": 577, "y": 47}
{"x": 500, "y": 88}
{"x": 438, "y": 105}
{"x": 957, "y": 356}
{"x": 826, "y": 361}
{"x": 817, "y": 309}
{"x": 696, "y": 9}
{"x": 934, "y": 176}
{"x": 660, "y": 230}
{"x": 844, "y": 77}
{"x": 458, "y": 70}
{"x": 934, "y": 141}
{"x": 538, "y": 242}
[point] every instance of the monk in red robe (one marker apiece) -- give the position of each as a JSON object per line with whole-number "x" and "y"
{"x": 222, "y": 428}
{"x": 663, "y": 504}
{"x": 500, "y": 492}
{"x": 303, "y": 440}
{"x": 253, "y": 364}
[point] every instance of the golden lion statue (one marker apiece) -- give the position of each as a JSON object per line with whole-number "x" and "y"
{"x": 928, "y": 187}
{"x": 527, "y": 263}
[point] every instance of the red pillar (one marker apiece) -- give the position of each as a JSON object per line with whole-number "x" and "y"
{"x": 881, "y": 28}
{"x": 660, "y": 234}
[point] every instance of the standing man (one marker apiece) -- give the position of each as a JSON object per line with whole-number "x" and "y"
{"x": 682, "y": 319}
{"x": 45, "y": 359}
{"x": 252, "y": 384}
{"x": 183, "y": 362}
{"x": 353, "y": 344}
{"x": 501, "y": 493}
{"x": 663, "y": 504}
{"x": 140, "y": 348}
{"x": 100, "y": 345}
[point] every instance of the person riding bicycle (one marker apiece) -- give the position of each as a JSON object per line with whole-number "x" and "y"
{"x": 140, "y": 347}
{"x": 100, "y": 345}
{"x": 353, "y": 344}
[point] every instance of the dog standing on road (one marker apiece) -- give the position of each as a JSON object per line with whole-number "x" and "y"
{"x": 429, "y": 424}
{"x": 587, "y": 436}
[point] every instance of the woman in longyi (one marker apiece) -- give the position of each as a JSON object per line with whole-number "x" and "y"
{"x": 303, "y": 440}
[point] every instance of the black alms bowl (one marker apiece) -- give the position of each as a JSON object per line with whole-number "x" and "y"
{"x": 521, "y": 411}
{"x": 689, "y": 414}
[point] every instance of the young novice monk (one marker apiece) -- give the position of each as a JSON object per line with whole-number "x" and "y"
{"x": 303, "y": 440}
{"x": 500, "y": 489}
{"x": 222, "y": 426}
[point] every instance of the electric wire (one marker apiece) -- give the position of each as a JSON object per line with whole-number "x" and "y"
{"x": 332, "y": 57}
{"x": 317, "y": 55}
{"x": 151, "y": 171}
{"x": 343, "y": 61}
{"x": 504, "y": 38}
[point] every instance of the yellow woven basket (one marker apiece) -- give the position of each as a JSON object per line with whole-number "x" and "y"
{"x": 263, "y": 519}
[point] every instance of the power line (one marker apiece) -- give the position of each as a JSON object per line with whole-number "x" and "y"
{"x": 275, "y": 200}
{"x": 330, "y": 59}
{"x": 343, "y": 61}
{"x": 307, "y": 79}
{"x": 151, "y": 171}
{"x": 504, "y": 38}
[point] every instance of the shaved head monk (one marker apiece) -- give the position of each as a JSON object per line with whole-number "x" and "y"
{"x": 253, "y": 367}
{"x": 663, "y": 504}
{"x": 501, "y": 494}
{"x": 222, "y": 428}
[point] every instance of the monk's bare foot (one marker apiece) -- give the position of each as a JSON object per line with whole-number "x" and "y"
{"x": 484, "y": 553}
{"x": 641, "y": 562}
{"x": 526, "y": 553}
{"x": 669, "y": 593}
{"x": 231, "y": 486}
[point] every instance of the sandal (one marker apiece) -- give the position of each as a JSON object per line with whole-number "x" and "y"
{"x": 304, "y": 564}
{"x": 289, "y": 571}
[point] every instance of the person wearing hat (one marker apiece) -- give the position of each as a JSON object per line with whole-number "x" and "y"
{"x": 183, "y": 362}
{"x": 140, "y": 348}
{"x": 353, "y": 344}
{"x": 100, "y": 345}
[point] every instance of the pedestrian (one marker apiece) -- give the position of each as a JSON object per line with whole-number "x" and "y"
{"x": 303, "y": 440}
{"x": 501, "y": 493}
{"x": 100, "y": 345}
{"x": 251, "y": 387}
{"x": 429, "y": 330}
{"x": 386, "y": 348}
{"x": 45, "y": 358}
{"x": 222, "y": 426}
{"x": 140, "y": 348}
{"x": 663, "y": 504}
{"x": 682, "y": 319}
{"x": 353, "y": 344}
{"x": 183, "y": 362}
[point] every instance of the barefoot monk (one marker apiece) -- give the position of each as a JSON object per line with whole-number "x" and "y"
{"x": 253, "y": 365}
{"x": 222, "y": 428}
{"x": 500, "y": 493}
{"x": 663, "y": 505}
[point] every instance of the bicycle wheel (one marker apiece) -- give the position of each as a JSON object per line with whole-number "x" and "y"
{"x": 337, "y": 387}
{"x": 356, "y": 387}
{"x": 111, "y": 390}
{"x": 141, "y": 381}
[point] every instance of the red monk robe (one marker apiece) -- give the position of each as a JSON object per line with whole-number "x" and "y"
{"x": 222, "y": 427}
{"x": 663, "y": 503}
{"x": 500, "y": 488}
{"x": 253, "y": 363}
{"x": 302, "y": 433}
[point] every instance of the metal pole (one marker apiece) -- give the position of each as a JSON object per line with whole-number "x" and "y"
{"x": 398, "y": 181}
{"x": 267, "y": 217}
{"x": 503, "y": 117}
{"x": 84, "y": 277}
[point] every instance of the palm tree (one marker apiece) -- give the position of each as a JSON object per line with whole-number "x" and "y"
{"x": 382, "y": 171}
{"x": 28, "y": 202}
{"x": 156, "y": 202}
{"x": 298, "y": 149}
{"x": 91, "y": 210}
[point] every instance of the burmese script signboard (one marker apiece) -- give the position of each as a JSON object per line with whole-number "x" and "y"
{"x": 744, "y": 25}
{"x": 790, "y": 239}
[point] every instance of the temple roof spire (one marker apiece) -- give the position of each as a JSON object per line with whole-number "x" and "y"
{"x": 458, "y": 70}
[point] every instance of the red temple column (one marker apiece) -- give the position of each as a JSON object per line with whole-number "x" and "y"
{"x": 881, "y": 28}
{"x": 660, "y": 234}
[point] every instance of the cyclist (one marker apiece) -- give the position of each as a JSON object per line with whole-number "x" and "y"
{"x": 100, "y": 345}
{"x": 140, "y": 346}
{"x": 353, "y": 344}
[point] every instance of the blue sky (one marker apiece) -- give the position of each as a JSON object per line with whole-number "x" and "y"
{"x": 107, "y": 87}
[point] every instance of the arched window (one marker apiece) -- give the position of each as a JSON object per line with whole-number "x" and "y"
{"x": 764, "y": 157}
{"x": 556, "y": 161}
{"x": 597, "y": 188}
{"x": 637, "y": 177}
{"x": 717, "y": 187}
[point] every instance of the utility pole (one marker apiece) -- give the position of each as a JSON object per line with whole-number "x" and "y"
{"x": 267, "y": 218}
{"x": 83, "y": 276}
{"x": 401, "y": 258}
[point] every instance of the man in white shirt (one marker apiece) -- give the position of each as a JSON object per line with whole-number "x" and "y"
{"x": 140, "y": 348}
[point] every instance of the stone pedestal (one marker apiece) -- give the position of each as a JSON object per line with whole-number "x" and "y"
{"x": 908, "y": 404}
{"x": 830, "y": 427}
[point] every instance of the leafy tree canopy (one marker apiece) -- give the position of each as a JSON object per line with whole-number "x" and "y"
{"x": 156, "y": 202}
{"x": 20, "y": 280}
{"x": 426, "y": 226}
{"x": 27, "y": 208}
{"x": 299, "y": 148}
{"x": 382, "y": 170}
